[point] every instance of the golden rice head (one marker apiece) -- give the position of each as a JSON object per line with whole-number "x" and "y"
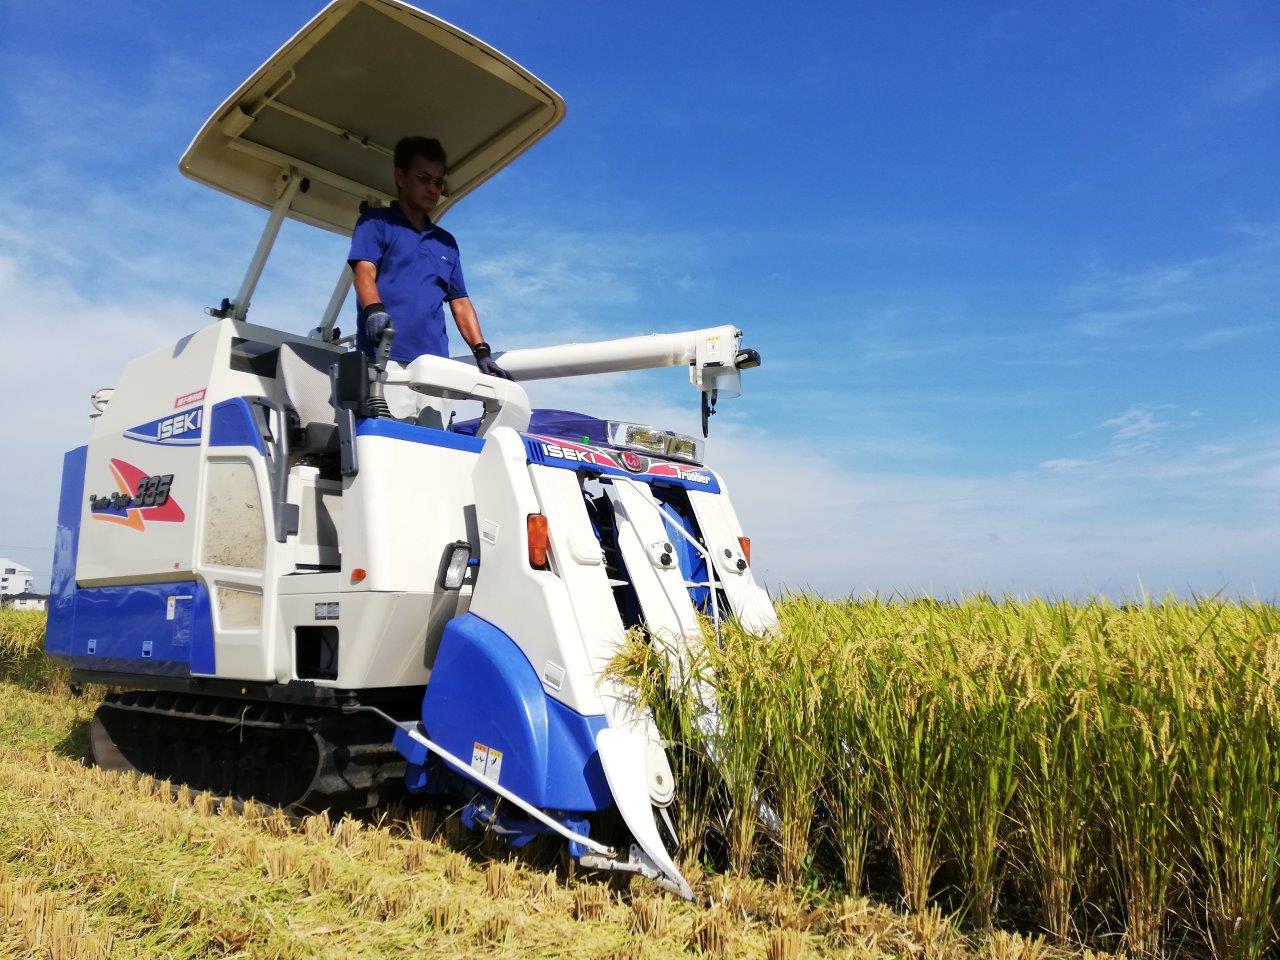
{"x": 204, "y": 804}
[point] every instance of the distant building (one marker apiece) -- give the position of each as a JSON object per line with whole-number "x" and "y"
{"x": 14, "y": 577}
{"x": 24, "y": 601}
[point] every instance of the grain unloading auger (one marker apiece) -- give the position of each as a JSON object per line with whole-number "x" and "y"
{"x": 307, "y": 603}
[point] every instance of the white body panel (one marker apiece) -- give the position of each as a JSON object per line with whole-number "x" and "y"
{"x": 506, "y": 404}
{"x": 531, "y": 606}
{"x": 720, "y": 528}
{"x": 644, "y": 541}
{"x": 406, "y": 505}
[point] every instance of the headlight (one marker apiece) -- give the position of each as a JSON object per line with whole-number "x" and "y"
{"x": 646, "y": 439}
{"x": 684, "y": 448}
{"x": 651, "y": 440}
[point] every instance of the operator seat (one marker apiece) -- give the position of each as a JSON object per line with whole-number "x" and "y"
{"x": 308, "y": 390}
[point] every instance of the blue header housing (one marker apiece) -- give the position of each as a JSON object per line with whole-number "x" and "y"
{"x": 484, "y": 693}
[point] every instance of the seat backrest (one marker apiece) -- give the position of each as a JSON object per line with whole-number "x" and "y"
{"x": 305, "y": 371}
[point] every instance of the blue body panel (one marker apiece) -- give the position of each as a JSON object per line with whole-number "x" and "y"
{"x": 483, "y": 690}
{"x": 231, "y": 424}
{"x": 127, "y": 629}
{"x": 693, "y": 567}
{"x": 397, "y": 430}
{"x": 60, "y": 628}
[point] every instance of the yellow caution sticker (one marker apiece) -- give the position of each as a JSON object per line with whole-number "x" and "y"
{"x": 486, "y": 761}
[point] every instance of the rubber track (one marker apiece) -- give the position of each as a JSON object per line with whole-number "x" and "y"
{"x": 303, "y": 759}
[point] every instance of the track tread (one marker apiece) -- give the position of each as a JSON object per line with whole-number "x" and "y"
{"x": 302, "y": 758}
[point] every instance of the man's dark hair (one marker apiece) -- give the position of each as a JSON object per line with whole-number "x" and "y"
{"x": 410, "y": 148}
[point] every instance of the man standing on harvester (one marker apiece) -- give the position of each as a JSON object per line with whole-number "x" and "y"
{"x": 406, "y": 268}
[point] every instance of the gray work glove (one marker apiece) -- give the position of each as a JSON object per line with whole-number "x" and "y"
{"x": 376, "y": 321}
{"x": 486, "y": 362}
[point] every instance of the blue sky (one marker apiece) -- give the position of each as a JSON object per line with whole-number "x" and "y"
{"x": 1014, "y": 269}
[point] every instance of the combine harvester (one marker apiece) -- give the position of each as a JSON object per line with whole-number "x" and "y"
{"x": 317, "y": 606}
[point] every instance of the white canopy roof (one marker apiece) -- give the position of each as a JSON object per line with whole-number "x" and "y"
{"x": 332, "y": 102}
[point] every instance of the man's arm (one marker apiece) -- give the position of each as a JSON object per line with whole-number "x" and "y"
{"x": 366, "y": 277}
{"x": 372, "y": 313}
{"x": 464, "y": 315}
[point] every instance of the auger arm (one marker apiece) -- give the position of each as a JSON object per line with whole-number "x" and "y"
{"x": 714, "y": 355}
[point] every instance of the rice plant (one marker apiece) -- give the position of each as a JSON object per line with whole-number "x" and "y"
{"x": 1108, "y": 775}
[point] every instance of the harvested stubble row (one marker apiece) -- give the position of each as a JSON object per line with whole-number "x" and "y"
{"x": 1105, "y": 773}
{"x": 163, "y": 873}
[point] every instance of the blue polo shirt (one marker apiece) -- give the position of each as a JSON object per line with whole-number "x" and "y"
{"x": 418, "y": 272}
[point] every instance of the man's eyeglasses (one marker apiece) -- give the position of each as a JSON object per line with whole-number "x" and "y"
{"x": 427, "y": 180}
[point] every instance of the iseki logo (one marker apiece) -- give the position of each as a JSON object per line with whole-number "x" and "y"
{"x": 634, "y": 462}
{"x": 566, "y": 453}
{"x": 175, "y": 430}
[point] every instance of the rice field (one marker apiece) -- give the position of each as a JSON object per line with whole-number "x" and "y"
{"x": 990, "y": 779}
{"x": 1108, "y": 775}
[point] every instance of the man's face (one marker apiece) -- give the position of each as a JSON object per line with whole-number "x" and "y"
{"x": 421, "y": 185}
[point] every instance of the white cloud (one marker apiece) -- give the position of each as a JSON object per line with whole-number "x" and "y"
{"x": 1135, "y": 424}
{"x": 1183, "y": 303}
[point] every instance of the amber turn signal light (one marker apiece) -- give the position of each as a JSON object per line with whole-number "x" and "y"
{"x": 745, "y": 544}
{"x": 538, "y": 542}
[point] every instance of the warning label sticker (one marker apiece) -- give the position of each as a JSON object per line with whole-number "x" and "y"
{"x": 486, "y": 761}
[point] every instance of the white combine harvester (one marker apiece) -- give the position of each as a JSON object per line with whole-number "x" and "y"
{"x": 316, "y": 606}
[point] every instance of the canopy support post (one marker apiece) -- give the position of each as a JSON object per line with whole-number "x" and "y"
{"x": 340, "y": 291}
{"x": 238, "y": 308}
